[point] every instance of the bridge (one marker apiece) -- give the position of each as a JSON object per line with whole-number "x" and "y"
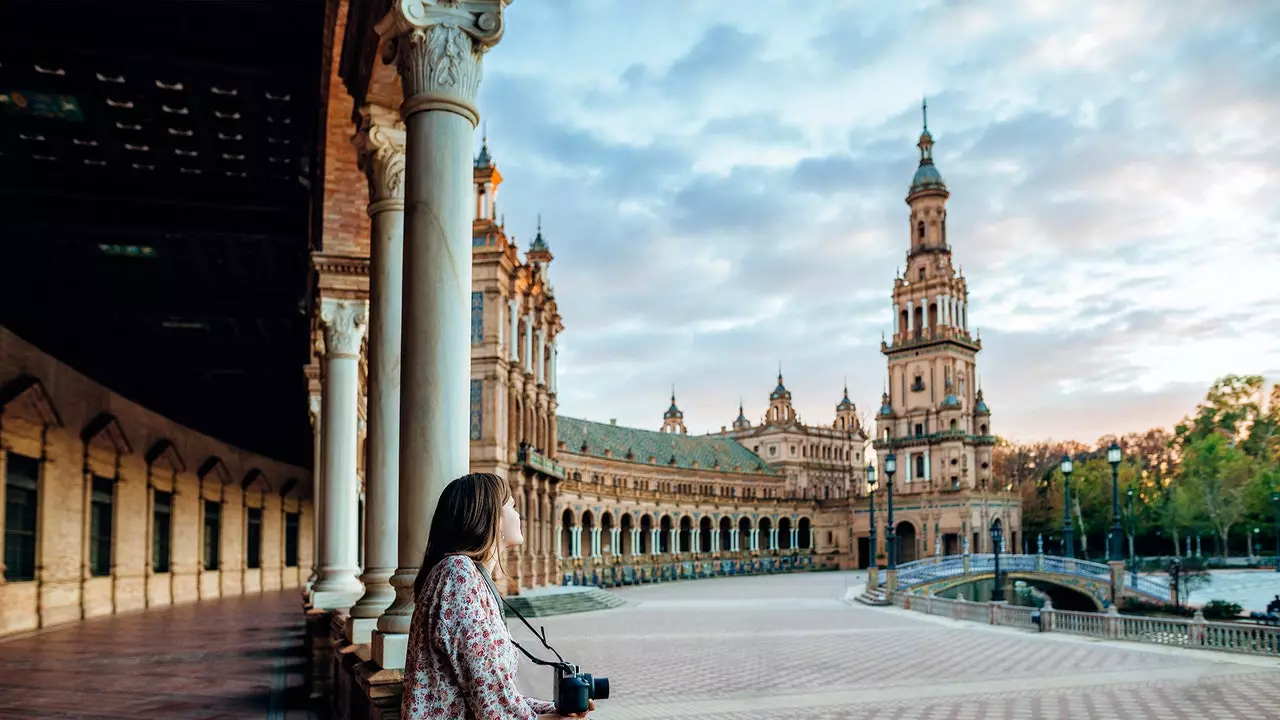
{"x": 1068, "y": 582}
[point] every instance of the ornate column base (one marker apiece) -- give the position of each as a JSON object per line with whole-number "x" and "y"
{"x": 389, "y": 650}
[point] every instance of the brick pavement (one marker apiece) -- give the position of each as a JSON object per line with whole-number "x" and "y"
{"x": 232, "y": 658}
{"x": 782, "y": 647}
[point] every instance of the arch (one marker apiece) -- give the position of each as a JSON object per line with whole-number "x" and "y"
{"x": 588, "y": 520}
{"x": 163, "y": 450}
{"x": 105, "y": 428}
{"x": 766, "y": 534}
{"x": 705, "y": 529}
{"x": 627, "y": 524}
{"x": 982, "y": 430}
{"x": 664, "y": 534}
{"x": 287, "y": 488}
{"x": 952, "y": 426}
{"x": 213, "y": 465}
{"x": 784, "y": 533}
{"x": 919, "y": 321}
{"x": 920, "y": 233}
{"x": 804, "y": 534}
{"x": 686, "y": 534}
{"x": 27, "y": 391}
{"x": 908, "y": 549}
{"x": 903, "y": 319}
{"x": 567, "y": 523}
{"x": 646, "y": 534}
{"x": 1064, "y": 597}
{"x": 933, "y": 315}
{"x": 606, "y": 533}
{"x": 726, "y": 531}
{"x": 255, "y": 478}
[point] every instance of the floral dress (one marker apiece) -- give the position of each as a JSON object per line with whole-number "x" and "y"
{"x": 461, "y": 664}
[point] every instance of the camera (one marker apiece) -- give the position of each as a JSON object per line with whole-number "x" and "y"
{"x": 574, "y": 689}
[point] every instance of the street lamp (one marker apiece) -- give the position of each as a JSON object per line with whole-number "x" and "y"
{"x": 1275, "y": 500}
{"x": 890, "y": 465}
{"x": 871, "y": 502}
{"x": 1068, "y": 532}
{"x": 1133, "y": 530}
{"x": 1114, "y": 456}
{"x": 997, "y": 534}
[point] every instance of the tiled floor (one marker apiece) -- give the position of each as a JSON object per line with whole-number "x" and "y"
{"x": 786, "y": 647}
{"x": 232, "y": 658}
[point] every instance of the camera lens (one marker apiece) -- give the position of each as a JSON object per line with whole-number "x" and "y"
{"x": 600, "y": 688}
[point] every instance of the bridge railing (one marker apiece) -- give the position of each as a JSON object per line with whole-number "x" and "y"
{"x": 1244, "y": 638}
{"x": 926, "y": 570}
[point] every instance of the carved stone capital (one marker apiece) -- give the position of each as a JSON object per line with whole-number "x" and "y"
{"x": 437, "y": 46}
{"x": 380, "y": 147}
{"x": 344, "y": 324}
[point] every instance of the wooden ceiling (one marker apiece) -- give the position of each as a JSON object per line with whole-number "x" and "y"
{"x": 157, "y": 171}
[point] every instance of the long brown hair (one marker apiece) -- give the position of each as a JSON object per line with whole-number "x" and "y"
{"x": 466, "y": 521}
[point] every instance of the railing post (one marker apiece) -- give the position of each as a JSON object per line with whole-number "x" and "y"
{"x": 1046, "y": 616}
{"x": 993, "y": 612}
{"x": 966, "y": 563}
{"x": 1113, "y": 622}
{"x": 1196, "y": 635}
{"x": 958, "y": 609}
{"x": 1040, "y": 562}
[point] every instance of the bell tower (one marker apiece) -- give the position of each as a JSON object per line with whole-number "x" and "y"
{"x": 673, "y": 419}
{"x": 931, "y": 416}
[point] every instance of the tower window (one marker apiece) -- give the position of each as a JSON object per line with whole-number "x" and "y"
{"x": 920, "y": 231}
{"x": 918, "y": 384}
{"x": 919, "y": 429}
{"x": 921, "y": 273}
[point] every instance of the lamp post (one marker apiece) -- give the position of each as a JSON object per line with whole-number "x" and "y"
{"x": 997, "y": 535}
{"x": 1133, "y": 530}
{"x": 1275, "y": 500}
{"x": 890, "y": 465}
{"x": 871, "y": 503}
{"x": 1114, "y": 456}
{"x": 1068, "y": 532}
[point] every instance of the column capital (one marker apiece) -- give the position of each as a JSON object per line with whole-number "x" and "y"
{"x": 380, "y": 146}
{"x": 437, "y": 46}
{"x": 344, "y": 325}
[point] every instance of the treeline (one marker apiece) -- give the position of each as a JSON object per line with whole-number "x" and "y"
{"x": 1208, "y": 485}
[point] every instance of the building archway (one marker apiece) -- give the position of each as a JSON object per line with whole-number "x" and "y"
{"x": 567, "y": 525}
{"x": 704, "y": 534}
{"x": 804, "y": 534}
{"x": 664, "y": 534}
{"x": 766, "y": 534}
{"x": 686, "y": 534}
{"x": 726, "y": 532}
{"x": 784, "y": 534}
{"x": 908, "y": 549}
{"x": 627, "y": 525}
{"x": 744, "y": 533}
{"x": 587, "y": 535}
{"x": 606, "y": 534}
{"x": 646, "y": 534}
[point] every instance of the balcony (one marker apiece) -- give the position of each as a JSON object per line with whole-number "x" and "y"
{"x": 536, "y": 461}
{"x": 933, "y": 439}
{"x": 920, "y": 338}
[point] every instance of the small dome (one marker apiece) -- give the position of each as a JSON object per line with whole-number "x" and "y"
{"x": 845, "y": 402}
{"x": 780, "y": 391}
{"x": 927, "y": 178}
{"x": 951, "y": 401}
{"x": 980, "y": 408}
{"x": 886, "y": 408}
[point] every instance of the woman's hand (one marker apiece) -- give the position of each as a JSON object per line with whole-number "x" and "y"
{"x": 591, "y": 705}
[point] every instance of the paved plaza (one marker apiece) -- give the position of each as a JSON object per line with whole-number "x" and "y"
{"x": 790, "y": 646}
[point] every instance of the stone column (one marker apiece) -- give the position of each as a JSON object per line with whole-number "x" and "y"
{"x": 555, "y": 356}
{"x": 317, "y": 494}
{"x": 437, "y": 48}
{"x": 528, "y": 343}
{"x": 344, "y": 323}
{"x": 513, "y": 352}
{"x": 380, "y": 143}
{"x": 559, "y": 540}
{"x": 910, "y": 315}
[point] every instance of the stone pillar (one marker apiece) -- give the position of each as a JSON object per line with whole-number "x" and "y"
{"x": 911, "y": 315}
{"x": 551, "y": 381}
{"x": 437, "y": 49}
{"x": 344, "y": 323}
{"x": 528, "y": 342}
{"x": 540, "y": 362}
{"x": 559, "y": 540}
{"x": 381, "y": 147}
{"x": 317, "y": 494}
{"x": 513, "y": 353}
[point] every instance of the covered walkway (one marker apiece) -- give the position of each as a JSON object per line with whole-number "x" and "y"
{"x": 235, "y": 657}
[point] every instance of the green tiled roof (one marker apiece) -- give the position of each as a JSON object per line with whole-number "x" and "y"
{"x": 706, "y": 450}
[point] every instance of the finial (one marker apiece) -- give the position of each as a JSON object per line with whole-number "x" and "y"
{"x": 673, "y": 393}
{"x": 484, "y": 133}
{"x": 924, "y": 111}
{"x": 539, "y": 223}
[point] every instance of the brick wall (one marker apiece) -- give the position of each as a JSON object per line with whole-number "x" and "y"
{"x": 77, "y": 429}
{"x": 344, "y": 219}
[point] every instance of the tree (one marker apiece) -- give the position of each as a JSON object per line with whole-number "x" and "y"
{"x": 1216, "y": 474}
{"x": 1231, "y": 408}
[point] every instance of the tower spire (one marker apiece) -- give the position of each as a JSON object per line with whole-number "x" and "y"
{"x": 924, "y": 112}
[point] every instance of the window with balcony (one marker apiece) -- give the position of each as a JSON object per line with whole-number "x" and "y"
{"x": 917, "y": 385}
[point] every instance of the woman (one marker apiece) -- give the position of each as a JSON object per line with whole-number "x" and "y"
{"x": 461, "y": 664}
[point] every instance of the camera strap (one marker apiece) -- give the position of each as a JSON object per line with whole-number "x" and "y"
{"x": 540, "y": 633}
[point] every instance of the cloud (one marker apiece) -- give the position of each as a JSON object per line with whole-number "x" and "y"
{"x": 726, "y": 192}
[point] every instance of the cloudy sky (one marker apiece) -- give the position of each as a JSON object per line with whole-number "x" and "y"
{"x": 723, "y": 187}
